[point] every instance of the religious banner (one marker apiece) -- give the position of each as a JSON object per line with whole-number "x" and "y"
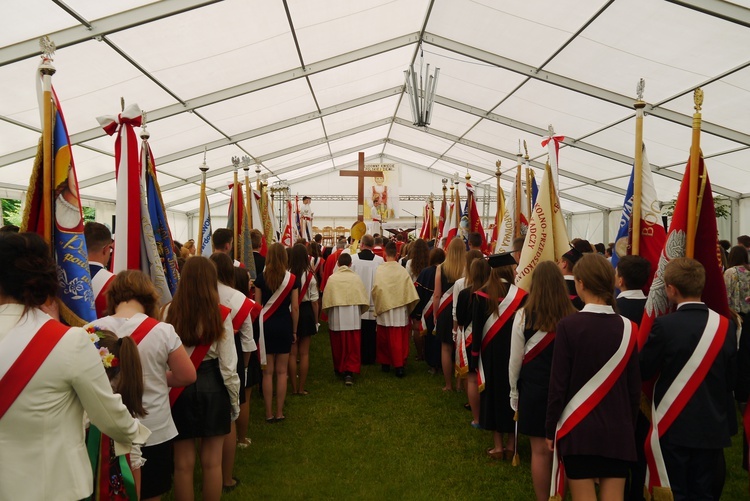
{"x": 381, "y": 193}
{"x": 547, "y": 237}
{"x": 66, "y": 223}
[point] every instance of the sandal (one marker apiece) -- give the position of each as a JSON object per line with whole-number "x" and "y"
{"x": 270, "y": 420}
{"x": 495, "y": 455}
{"x": 303, "y": 393}
{"x": 279, "y": 419}
{"x": 229, "y": 488}
{"x": 244, "y": 443}
{"x": 508, "y": 454}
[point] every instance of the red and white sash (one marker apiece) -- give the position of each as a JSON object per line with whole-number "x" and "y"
{"x": 463, "y": 339}
{"x": 99, "y": 285}
{"x": 304, "y": 286}
{"x": 242, "y": 308}
{"x": 24, "y": 351}
{"x": 537, "y": 344}
{"x": 315, "y": 262}
{"x": 445, "y": 300}
{"x": 495, "y": 322}
{"x": 679, "y": 394}
{"x": 197, "y": 353}
{"x": 588, "y": 397}
{"x": 278, "y": 296}
{"x": 143, "y": 329}
{"x": 426, "y": 313}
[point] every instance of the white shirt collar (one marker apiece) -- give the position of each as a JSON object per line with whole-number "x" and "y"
{"x": 598, "y": 308}
{"x": 631, "y": 294}
{"x": 680, "y": 305}
{"x": 569, "y": 277}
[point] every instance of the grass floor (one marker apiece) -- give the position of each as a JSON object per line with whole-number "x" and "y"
{"x": 385, "y": 438}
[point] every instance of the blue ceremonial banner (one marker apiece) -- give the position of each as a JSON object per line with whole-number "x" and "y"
{"x": 73, "y": 275}
{"x": 205, "y": 245}
{"x": 622, "y": 240}
{"x": 160, "y": 225}
{"x": 534, "y": 192}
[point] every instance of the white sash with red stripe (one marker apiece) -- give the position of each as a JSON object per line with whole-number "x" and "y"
{"x": 445, "y": 300}
{"x": 588, "y": 397}
{"x": 463, "y": 339}
{"x": 278, "y": 296}
{"x": 536, "y": 344}
{"x": 495, "y": 322}
{"x": 241, "y": 307}
{"x": 196, "y": 353}
{"x": 304, "y": 286}
{"x": 679, "y": 394}
{"x": 426, "y": 313}
{"x": 99, "y": 284}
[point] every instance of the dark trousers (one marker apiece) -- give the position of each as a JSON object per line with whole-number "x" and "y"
{"x": 691, "y": 471}
{"x": 637, "y": 479}
{"x": 369, "y": 342}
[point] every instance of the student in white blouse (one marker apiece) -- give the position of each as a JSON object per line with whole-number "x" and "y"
{"x": 42, "y": 450}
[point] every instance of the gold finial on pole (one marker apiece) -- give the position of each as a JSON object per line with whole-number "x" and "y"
{"x": 47, "y": 70}
{"x": 635, "y": 217}
{"x": 235, "y": 209}
{"x": 122, "y": 104}
{"x": 695, "y": 154}
{"x": 248, "y": 205}
{"x": 202, "y": 206}
{"x": 526, "y": 149}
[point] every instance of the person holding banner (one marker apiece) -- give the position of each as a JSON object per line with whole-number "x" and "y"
{"x": 49, "y": 374}
{"x": 446, "y": 275}
{"x": 278, "y": 291}
{"x": 495, "y": 305}
{"x": 531, "y": 347}
{"x": 206, "y": 408}
{"x": 694, "y": 353}
{"x": 133, "y": 309}
{"x": 594, "y": 390}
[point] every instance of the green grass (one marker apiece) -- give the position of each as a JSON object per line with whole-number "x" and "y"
{"x": 385, "y": 438}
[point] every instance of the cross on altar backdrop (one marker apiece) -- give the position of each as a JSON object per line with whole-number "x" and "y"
{"x": 361, "y": 174}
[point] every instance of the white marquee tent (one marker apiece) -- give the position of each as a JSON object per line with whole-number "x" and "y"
{"x": 301, "y": 86}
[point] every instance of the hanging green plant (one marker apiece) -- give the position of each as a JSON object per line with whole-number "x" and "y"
{"x": 721, "y": 207}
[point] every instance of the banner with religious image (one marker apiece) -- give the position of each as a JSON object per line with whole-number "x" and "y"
{"x": 381, "y": 193}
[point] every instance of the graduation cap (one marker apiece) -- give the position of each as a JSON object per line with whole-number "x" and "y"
{"x": 573, "y": 255}
{"x": 498, "y": 260}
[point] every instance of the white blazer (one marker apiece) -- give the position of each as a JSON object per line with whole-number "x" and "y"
{"x": 42, "y": 450}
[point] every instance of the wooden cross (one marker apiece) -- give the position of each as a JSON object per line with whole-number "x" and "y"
{"x": 361, "y": 174}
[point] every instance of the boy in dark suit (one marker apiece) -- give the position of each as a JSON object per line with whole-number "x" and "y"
{"x": 631, "y": 275}
{"x": 692, "y": 445}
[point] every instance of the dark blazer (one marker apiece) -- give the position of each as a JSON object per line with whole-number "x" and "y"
{"x": 705, "y": 422}
{"x": 260, "y": 262}
{"x": 631, "y": 308}
{"x": 573, "y": 293}
{"x": 584, "y": 342}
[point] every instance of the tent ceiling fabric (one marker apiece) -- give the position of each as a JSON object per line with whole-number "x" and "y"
{"x": 301, "y": 86}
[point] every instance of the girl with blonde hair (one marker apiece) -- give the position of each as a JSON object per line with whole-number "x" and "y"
{"x": 446, "y": 275}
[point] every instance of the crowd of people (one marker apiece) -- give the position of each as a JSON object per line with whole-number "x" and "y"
{"x": 562, "y": 363}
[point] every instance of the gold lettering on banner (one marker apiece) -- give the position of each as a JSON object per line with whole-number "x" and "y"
{"x": 535, "y": 241}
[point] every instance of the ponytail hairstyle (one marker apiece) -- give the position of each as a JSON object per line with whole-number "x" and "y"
{"x": 122, "y": 364}
{"x": 498, "y": 284}
{"x": 597, "y": 276}
{"x": 455, "y": 260}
